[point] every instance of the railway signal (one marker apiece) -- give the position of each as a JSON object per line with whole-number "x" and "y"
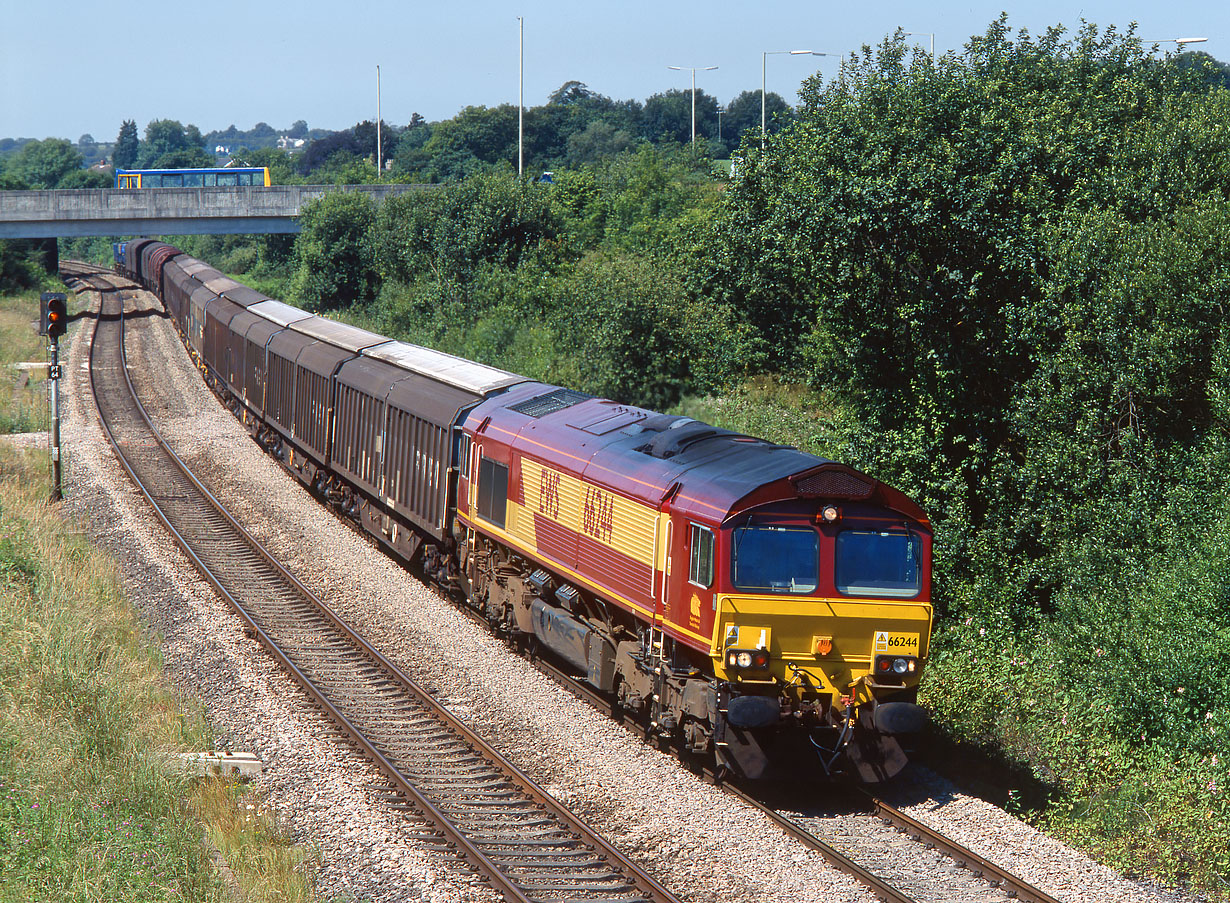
{"x": 57, "y": 314}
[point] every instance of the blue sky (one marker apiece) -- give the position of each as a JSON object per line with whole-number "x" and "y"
{"x": 68, "y": 68}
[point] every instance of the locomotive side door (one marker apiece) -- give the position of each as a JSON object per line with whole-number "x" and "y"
{"x": 691, "y": 578}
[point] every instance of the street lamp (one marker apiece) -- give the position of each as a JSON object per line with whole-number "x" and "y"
{"x": 693, "y": 71}
{"x": 379, "y": 141}
{"x": 923, "y": 34}
{"x": 1179, "y": 41}
{"x": 765, "y": 55}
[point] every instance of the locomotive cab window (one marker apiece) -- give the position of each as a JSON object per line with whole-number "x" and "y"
{"x": 771, "y": 559}
{"x": 870, "y": 563}
{"x": 701, "y": 571}
{"x": 492, "y": 491}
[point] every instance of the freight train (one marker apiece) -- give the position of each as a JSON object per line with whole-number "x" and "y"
{"x": 743, "y": 600}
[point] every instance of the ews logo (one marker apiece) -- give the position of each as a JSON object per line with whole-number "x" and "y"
{"x": 548, "y": 494}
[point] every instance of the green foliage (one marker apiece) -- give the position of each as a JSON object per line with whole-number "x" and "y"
{"x": 623, "y": 325}
{"x": 334, "y": 261}
{"x": 281, "y": 165}
{"x": 87, "y": 178}
{"x": 448, "y": 235}
{"x": 1009, "y": 266}
{"x": 742, "y": 120}
{"x": 26, "y": 263}
{"x": 669, "y": 116}
{"x": 43, "y": 164}
{"x": 167, "y": 142}
{"x": 127, "y": 146}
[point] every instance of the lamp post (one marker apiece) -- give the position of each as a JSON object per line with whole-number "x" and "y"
{"x": 764, "y": 56}
{"x": 923, "y": 34}
{"x": 693, "y": 70}
{"x": 379, "y": 142}
{"x": 520, "y": 95}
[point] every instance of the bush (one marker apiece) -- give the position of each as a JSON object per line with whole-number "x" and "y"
{"x": 334, "y": 259}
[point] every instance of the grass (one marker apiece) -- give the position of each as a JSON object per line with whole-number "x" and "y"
{"x": 93, "y": 803}
{"x": 23, "y": 393}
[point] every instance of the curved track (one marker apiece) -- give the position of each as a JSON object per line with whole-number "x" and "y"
{"x": 898, "y": 866}
{"x": 898, "y": 858}
{"x": 479, "y": 805}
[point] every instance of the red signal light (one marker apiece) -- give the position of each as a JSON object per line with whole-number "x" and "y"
{"x": 55, "y": 314}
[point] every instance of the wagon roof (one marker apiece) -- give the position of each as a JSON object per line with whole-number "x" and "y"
{"x": 277, "y": 312}
{"x": 343, "y": 335}
{"x": 446, "y": 368}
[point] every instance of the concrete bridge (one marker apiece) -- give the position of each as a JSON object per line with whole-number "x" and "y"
{"x": 70, "y": 212}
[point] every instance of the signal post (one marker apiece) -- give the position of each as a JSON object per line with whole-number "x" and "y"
{"x": 53, "y": 321}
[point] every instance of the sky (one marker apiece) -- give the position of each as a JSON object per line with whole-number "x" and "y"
{"x": 69, "y": 68}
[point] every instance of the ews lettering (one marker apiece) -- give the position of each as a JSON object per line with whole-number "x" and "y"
{"x": 599, "y": 514}
{"x": 548, "y": 494}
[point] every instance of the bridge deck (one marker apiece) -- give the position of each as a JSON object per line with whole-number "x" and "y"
{"x": 166, "y": 211}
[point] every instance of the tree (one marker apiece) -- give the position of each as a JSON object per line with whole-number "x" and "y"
{"x": 492, "y": 219}
{"x": 86, "y": 178}
{"x": 473, "y": 140}
{"x": 162, "y": 137}
{"x": 319, "y": 152}
{"x": 600, "y": 139}
{"x": 127, "y": 146}
{"x": 570, "y": 92}
{"x": 668, "y": 116}
{"x": 86, "y": 140}
{"x": 1212, "y": 71}
{"x": 742, "y": 119}
{"x": 958, "y": 249}
{"x": 184, "y": 158}
{"x": 42, "y": 164}
{"x": 365, "y": 138}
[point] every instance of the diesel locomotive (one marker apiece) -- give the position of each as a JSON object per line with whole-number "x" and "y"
{"x": 745, "y": 600}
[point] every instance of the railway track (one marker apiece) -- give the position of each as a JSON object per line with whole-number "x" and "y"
{"x": 473, "y": 802}
{"x": 897, "y": 857}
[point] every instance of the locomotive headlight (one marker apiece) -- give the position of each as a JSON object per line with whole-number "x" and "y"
{"x": 748, "y": 659}
{"x": 894, "y": 668}
{"x": 830, "y": 514}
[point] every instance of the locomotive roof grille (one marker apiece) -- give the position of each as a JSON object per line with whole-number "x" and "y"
{"x": 833, "y": 484}
{"x": 542, "y": 405}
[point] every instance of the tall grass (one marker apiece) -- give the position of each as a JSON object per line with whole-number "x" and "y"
{"x": 93, "y": 803}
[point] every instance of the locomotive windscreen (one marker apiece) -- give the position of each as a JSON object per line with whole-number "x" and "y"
{"x": 869, "y": 563}
{"x": 776, "y": 559}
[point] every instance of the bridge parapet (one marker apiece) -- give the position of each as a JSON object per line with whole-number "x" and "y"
{"x": 61, "y": 213}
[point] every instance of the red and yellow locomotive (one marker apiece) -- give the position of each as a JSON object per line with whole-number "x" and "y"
{"x": 739, "y": 595}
